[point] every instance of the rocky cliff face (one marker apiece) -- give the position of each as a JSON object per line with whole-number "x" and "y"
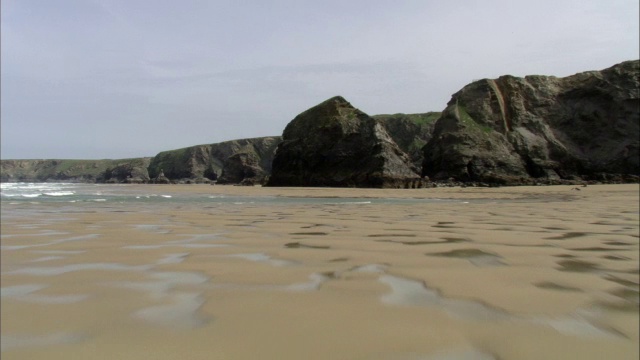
{"x": 121, "y": 171}
{"x": 243, "y": 168}
{"x": 540, "y": 129}
{"x": 204, "y": 163}
{"x": 335, "y": 144}
{"x": 410, "y": 132}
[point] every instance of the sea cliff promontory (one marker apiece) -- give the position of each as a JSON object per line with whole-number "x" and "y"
{"x": 545, "y": 129}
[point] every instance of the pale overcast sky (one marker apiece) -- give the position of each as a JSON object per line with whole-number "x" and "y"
{"x": 90, "y": 79}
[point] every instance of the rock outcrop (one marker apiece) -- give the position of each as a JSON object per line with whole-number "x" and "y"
{"x": 161, "y": 179}
{"x": 243, "y": 167}
{"x": 540, "y": 129}
{"x": 203, "y": 163}
{"x": 335, "y": 144}
{"x": 129, "y": 172}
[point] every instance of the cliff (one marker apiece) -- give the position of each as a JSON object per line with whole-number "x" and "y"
{"x": 120, "y": 171}
{"x": 203, "y": 163}
{"x": 540, "y": 129}
{"x": 335, "y": 144}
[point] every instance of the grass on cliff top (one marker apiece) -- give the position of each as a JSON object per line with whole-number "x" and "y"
{"x": 92, "y": 167}
{"x": 419, "y": 119}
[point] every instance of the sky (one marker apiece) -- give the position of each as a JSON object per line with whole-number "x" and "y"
{"x": 94, "y": 79}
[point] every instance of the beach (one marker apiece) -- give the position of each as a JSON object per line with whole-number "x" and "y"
{"x": 230, "y": 272}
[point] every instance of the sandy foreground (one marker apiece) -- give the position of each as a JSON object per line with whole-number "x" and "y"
{"x": 499, "y": 273}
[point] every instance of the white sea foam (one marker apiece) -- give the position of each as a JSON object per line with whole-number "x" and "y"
{"x": 349, "y": 203}
{"x": 59, "y": 193}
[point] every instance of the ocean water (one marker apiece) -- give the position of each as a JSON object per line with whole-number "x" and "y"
{"x": 20, "y": 193}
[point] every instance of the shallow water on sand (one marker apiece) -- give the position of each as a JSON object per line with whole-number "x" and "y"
{"x": 212, "y": 272}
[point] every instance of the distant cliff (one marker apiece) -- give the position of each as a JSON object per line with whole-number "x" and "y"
{"x": 540, "y": 129}
{"x": 233, "y": 161}
{"x": 116, "y": 171}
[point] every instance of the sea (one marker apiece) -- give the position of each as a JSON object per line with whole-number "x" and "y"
{"x": 38, "y": 193}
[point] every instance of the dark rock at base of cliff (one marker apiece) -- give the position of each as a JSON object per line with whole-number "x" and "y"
{"x": 127, "y": 172}
{"x": 540, "y": 129}
{"x": 242, "y": 167}
{"x": 161, "y": 179}
{"x": 335, "y": 144}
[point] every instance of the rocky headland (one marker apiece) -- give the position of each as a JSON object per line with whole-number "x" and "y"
{"x": 583, "y": 128}
{"x": 540, "y": 129}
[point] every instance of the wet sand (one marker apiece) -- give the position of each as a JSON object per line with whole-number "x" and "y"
{"x": 501, "y": 273}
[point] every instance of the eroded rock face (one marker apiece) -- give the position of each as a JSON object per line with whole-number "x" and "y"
{"x": 88, "y": 171}
{"x": 242, "y": 167}
{"x": 206, "y": 162}
{"x": 539, "y": 129}
{"x": 335, "y": 144}
{"x": 127, "y": 172}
